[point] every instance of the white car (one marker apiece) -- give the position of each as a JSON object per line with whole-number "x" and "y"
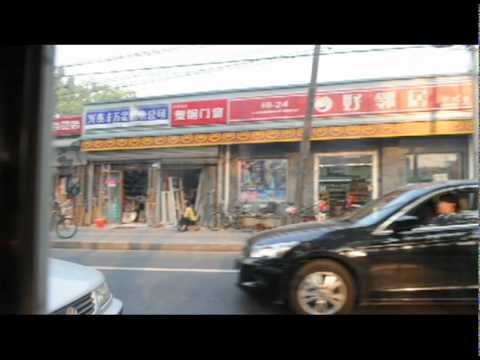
{"x": 79, "y": 290}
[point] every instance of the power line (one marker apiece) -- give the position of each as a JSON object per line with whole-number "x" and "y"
{"x": 200, "y": 71}
{"x": 244, "y": 60}
{"x": 119, "y": 82}
{"x": 129, "y": 56}
{"x": 116, "y": 78}
{"x": 173, "y": 76}
{"x": 188, "y": 65}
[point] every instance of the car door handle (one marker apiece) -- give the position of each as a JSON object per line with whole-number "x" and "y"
{"x": 467, "y": 243}
{"x": 391, "y": 241}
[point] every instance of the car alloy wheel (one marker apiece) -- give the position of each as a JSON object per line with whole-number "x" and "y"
{"x": 322, "y": 293}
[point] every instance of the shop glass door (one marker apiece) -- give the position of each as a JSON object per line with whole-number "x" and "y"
{"x": 344, "y": 182}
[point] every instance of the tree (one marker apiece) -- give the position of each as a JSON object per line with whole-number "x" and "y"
{"x": 71, "y": 97}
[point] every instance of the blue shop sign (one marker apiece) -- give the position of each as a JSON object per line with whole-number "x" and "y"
{"x": 128, "y": 116}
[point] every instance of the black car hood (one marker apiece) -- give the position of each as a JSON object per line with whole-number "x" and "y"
{"x": 298, "y": 232}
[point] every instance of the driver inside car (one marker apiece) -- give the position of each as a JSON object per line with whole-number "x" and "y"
{"x": 438, "y": 212}
{"x": 447, "y": 208}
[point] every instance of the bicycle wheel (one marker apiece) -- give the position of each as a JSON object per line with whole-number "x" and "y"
{"x": 66, "y": 228}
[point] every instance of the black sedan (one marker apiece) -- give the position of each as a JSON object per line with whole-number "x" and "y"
{"x": 409, "y": 246}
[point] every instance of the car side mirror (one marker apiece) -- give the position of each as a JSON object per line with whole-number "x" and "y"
{"x": 405, "y": 223}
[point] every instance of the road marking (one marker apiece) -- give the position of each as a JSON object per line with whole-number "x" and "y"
{"x": 149, "y": 250}
{"x": 165, "y": 269}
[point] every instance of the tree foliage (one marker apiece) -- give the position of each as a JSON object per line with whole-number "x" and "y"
{"x": 71, "y": 96}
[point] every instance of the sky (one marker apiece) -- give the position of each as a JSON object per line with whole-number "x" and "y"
{"x": 333, "y": 67}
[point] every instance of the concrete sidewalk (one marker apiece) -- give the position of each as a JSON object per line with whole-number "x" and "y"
{"x": 147, "y": 238}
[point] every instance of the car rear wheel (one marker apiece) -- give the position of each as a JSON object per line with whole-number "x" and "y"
{"x": 322, "y": 287}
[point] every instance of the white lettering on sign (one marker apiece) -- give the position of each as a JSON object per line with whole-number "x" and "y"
{"x": 161, "y": 113}
{"x": 100, "y": 118}
{"x": 117, "y": 117}
{"x": 449, "y": 101}
{"x": 218, "y": 113}
{"x": 124, "y": 116}
{"x": 90, "y": 118}
{"x": 203, "y": 112}
{"x": 151, "y": 115}
{"x": 141, "y": 115}
{"x": 266, "y": 105}
{"x": 281, "y": 104}
{"x": 323, "y": 104}
{"x": 66, "y": 125}
{"x": 180, "y": 114}
{"x": 385, "y": 100}
{"x": 136, "y": 114}
{"x": 417, "y": 98}
{"x": 352, "y": 102}
{"x": 192, "y": 114}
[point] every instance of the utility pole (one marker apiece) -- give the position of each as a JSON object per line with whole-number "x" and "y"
{"x": 474, "y": 72}
{"x": 303, "y": 164}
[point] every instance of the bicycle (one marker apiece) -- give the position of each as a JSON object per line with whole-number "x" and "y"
{"x": 225, "y": 220}
{"x": 65, "y": 226}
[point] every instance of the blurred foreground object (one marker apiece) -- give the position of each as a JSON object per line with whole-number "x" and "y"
{"x": 26, "y": 110}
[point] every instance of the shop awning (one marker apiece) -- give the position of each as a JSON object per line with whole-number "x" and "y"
{"x": 190, "y": 156}
{"x": 326, "y": 132}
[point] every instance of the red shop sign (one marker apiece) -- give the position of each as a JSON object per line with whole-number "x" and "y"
{"x": 268, "y": 108}
{"x": 67, "y": 126}
{"x": 355, "y": 102}
{"x": 207, "y": 112}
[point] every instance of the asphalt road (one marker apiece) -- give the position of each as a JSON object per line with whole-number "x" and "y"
{"x": 191, "y": 283}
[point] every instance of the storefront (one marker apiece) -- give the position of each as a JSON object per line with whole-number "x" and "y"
{"x": 368, "y": 138}
{"x": 68, "y": 175}
{"x": 135, "y": 186}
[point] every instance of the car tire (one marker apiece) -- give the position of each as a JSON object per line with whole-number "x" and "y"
{"x": 322, "y": 266}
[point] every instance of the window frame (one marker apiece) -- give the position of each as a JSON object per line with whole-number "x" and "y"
{"x": 375, "y": 169}
{"x": 461, "y": 155}
{"x": 383, "y": 228}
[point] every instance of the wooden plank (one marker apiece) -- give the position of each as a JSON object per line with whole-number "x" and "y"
{"x": 176, "y": 196}
{"x": 163, "y": 213}
{"x": 171, "y": 198}
{"x": 199, "y": 191}
{"x": 219, "y": 189}
{"x": 158, "y": 197}
{"x": 212, "y": 198}
{"x": 171, "y": 207}
{"x": 182, "y": 196}
{"x": 203, "y": 197}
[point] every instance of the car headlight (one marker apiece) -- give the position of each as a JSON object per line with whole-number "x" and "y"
{"x": 271, "y": 251}
{"x": 102, "y": 295}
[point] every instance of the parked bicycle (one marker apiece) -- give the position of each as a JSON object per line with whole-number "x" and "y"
{"x": 225, "y": 220}
{"x": 65, "y": 226}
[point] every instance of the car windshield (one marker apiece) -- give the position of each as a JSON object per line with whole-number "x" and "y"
{"x": 377, "y": 209}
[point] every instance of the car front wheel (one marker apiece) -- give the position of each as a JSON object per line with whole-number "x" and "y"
{"x": 322, "y": 287}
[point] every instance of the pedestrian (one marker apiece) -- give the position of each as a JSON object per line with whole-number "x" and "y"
{"x": 189, "y": 217}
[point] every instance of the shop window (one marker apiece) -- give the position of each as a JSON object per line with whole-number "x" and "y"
{"x": 263, "y": 180}
{"x": 434, "y": 167}
{"x": 345, "y": 183}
